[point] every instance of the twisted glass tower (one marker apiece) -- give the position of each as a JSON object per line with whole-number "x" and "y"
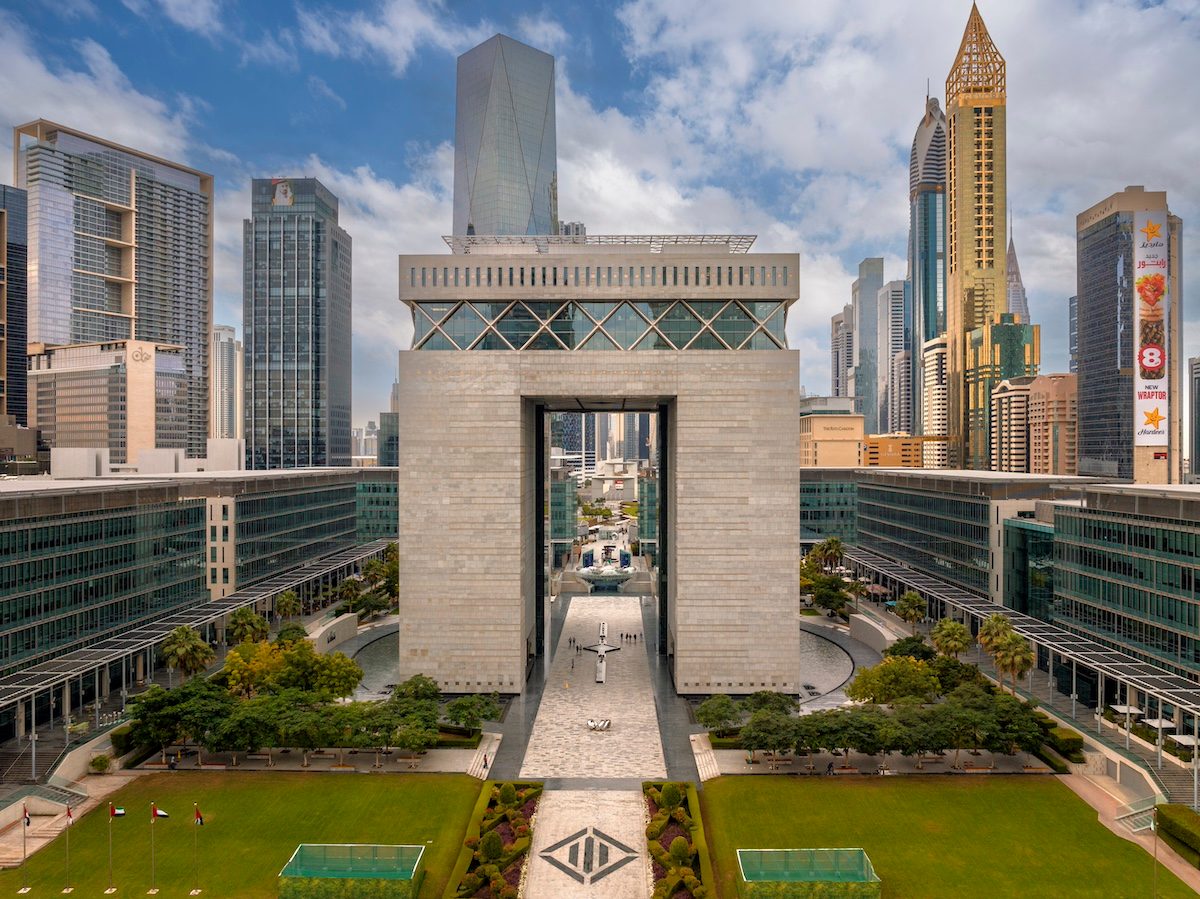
{"x": 505, "y": 169}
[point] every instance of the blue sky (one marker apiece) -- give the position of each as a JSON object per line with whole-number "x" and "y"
{"x": 789, "y": 119}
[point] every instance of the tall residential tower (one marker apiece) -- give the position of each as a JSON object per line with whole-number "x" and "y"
{"x": 14, "y": 258}
{"x": 225, "y": 414}
{"x": 120, "y": 249}
{"x": 505, "y": 155}
{"x": 976, "y": 98}
{"x": 1130, "y": 323}
{"x": 296, "y": 326}
{"x": 926, "y": 243}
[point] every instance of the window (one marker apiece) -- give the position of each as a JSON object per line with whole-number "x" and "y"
{"x": 225, "y": 532}
{"x": 774, "y": 276}
{"x": 212, "y": 533}
{"x": 741, "y": 275}
{"x": 674, "y": 276}
{"x": 642, "y": 277}
{"x": 576, "y": 276}
{"x": 685, "y": 276}
{"x": 609, "y": 283}
{"x": 224, "y": 575}
{"x": 224, "y": 511}
{"x": 445, "y": 276}
{"x": 412, "y": 277}
{"x": 620, "y": 275}
{"x": 785, "y": 276}
{"x": 422, "y": 276}
{"x": 522, "y": 271}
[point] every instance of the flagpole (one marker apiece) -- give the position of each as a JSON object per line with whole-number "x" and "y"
{"x": 111, "y": 888}
{"x": 24, "y": 832}
{"x": 68, "y": 887}
{"x": 153, "y": 883}
{"x": 195, "y": 843}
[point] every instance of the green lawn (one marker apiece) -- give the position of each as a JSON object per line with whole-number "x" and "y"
{"x": 935, "y": 836}
{"x": 252, "y": 824}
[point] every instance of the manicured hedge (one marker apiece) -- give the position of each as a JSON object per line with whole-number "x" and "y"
{"x": 1053, "y": 760}
{"x": 685, "y": 881}
{"x": 484, "y": 817}
{"x": 1183, "y": 825}
{"x": 1066, "y": 743}
{"x": 120, "y": 739}
{"x": 333, "y": 888}
{"x": 821, "y": 890}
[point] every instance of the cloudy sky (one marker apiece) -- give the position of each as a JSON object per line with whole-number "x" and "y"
{"x": 789, "y": 119}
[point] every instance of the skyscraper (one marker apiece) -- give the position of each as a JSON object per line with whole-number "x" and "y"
{"x": 864, "y": 298}
{"x": 976, "y": 186}
{"x": 1073, "y": 332}
{"x": 630, "y": 437}
{"x": 1010, "y": 425}
{"x": 935, "y": 453}
{"x": 1129, "y": 259}
{"x": 225, "y": 414}
{"x": 14, "y": 258}
{"x": 1194, "y": 382}
{"x": 120, "y": 245}
{"x": 841, "y": 352}
{"x": 1053, "y": 424}
{"x": 505, "y": 155}
{"x": 1017, "y": 302}
{"x": 296, "y": 323}
{"x": 926, "y": 241}
{"x": 999, "y": 350}
{"x": 895, "y": 332}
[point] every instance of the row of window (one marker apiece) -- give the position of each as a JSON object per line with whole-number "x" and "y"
{"x": 603, "y": 276}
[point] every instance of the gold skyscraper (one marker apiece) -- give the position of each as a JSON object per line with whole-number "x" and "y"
{"x": 976, "y": 187}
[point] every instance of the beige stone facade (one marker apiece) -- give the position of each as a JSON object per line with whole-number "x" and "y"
{"x": 467, "y": 531}
{"x": 1053, "y": 404}
{"x": 893, "y": 451}
{"x": 831, "y": 440}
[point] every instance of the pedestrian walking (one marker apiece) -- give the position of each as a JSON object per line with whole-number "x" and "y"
{"x": 572, "y": 664}
{"x": 829, "y": 768}
{"x": 485, "y": 761}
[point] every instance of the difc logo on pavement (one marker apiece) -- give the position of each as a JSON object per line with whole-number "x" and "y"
{"x": 140, "y": 355}
{"x": 588, "y": 855}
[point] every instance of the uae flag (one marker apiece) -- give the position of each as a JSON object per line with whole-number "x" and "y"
{"x": 199, "y": 817}
{"x": 70, "y": 817}
{"x": 115, "y": 811}
{"x": 25, "y": 814}
{"x": 156, "y": 812}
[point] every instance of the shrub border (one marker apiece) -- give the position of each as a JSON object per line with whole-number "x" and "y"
{"x": 474, "y": 828}
{"x": 699, "y": 837}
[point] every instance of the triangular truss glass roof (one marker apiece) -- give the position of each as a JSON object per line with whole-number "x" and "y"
{"x": 589, "y": 325}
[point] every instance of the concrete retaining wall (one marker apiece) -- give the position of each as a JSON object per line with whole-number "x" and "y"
{"x": 864, "y": 630}
{"x": 330, "y": 635}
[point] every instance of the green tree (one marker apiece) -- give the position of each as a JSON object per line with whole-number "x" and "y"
{"x": 156, "y": 719}
{"x": 680, "y": 852}
{"x": 472, "y": 710}
{"x": 769, "y": 700}
{"x": 770, "y": 731}
{"x": 951, "y": 637}
{"x": 914, "y": 647}
{"x": 332, "y": 674}
{"x": 911, "y": 607}
{"x": 290, "y": 633}
{"x": 252, "y": 668}
{"x": 247, "y": 626}
{"x": 896, "y": 677}
{"x": 414, "y": 738}
{"x": 305, "y": 723}
{"x": 247, "y": 728}
{"x": 491, "y": 847}
{"x": 203, "y": 706}
{"x": 287, "y": 604}
{"x": 1014, "y": 726}
{"x": 1013, "y": 656}
{"x": 419, "y": 686}
{"x": 966, "y": 715}
{"x": 186, "y": 650}
{"x": 994, "y": 628}
{"x": 718, "y": 712}
{"x": 670, "y": 796}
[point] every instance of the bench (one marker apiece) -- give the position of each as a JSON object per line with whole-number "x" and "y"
{"x": 846, "y": 771}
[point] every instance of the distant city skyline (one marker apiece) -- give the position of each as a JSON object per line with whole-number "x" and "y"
{"x": 241, "y": 95}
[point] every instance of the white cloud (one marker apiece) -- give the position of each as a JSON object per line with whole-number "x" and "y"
{"x": 202, "y": 16}
{"x": 322, "y": 91}
{"x": 273, "y": 48}
{"x": 96, "y": 97}
{"x": 393, "y": 32}
{"x": 543, "y": 32}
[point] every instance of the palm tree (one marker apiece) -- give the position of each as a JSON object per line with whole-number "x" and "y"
{"x": 348, "y": 592}
{"x": 186, "y": 650}
{"x": 911, "y": 607}
{"x": 247, "y": 626}
{"x": 951, "y": 637}
{"x": 856, "y": 589}
{"x": 994, "y": 629}
{"x": 1013, "y": 656}
{"x": 287, "y": 604}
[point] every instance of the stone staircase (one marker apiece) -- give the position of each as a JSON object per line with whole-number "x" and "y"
{"x": 488, "y": 746}
{"x": 706, "y": 762}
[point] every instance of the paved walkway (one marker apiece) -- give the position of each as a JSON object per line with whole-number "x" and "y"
{"x": 561, "y": 745}
{"x": 590, "y": 844}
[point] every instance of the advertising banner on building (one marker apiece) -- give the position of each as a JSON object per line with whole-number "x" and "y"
{"x": 1151, "y": 403}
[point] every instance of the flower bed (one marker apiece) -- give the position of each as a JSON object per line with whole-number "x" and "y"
{"x": 499, "y": 835}
{"x": 675, "y": 837}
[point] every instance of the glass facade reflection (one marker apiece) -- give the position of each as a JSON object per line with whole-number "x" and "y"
{"x": 297, "y": 326}
{"x": 123, "y": 247}
{"x": 1029, "y": 567}
{"x": 14, "y": 257}
{"x": 505, "y": 153}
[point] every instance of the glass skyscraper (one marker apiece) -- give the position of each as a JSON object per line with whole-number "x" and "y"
{"x": 864, "y": 297}
{"x": 14, "y": 257}
{"x": 1105, "y": 240}
{"x": 121, "y": 244}
{"x": 296, "y": 322}
{"x": 926, "y": 241}
{"x": 505, "y": 155}
{"x": 226, "y": 371}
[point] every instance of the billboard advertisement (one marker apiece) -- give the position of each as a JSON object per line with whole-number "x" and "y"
{"x": 1151, "y": 403}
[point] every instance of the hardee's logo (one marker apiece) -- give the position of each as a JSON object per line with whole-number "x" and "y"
{"x": 1154, "y": 418}
{"x": 1152, "y": 230}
